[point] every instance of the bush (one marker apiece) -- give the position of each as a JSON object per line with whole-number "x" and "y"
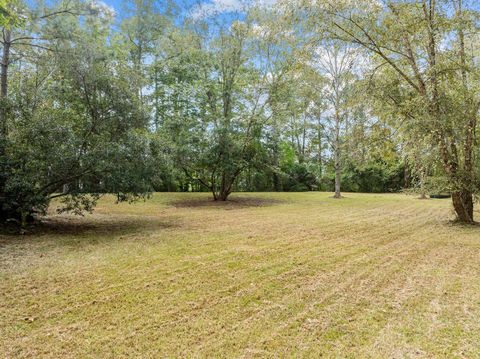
{"x": 373, "y": 178}
{"x": 298, "y": 178}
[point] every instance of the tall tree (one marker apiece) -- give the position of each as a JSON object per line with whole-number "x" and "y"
{"x": 426, "y": 64}
{"x": 336, "y": 62}
{"x": 221, "y": 141}
{"x": 76, "y": 129}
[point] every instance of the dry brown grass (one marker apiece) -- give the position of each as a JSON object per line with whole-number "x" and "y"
{"x": 268, "y": 275}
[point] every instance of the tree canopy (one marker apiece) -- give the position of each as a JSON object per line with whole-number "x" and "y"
{"x": 370, "y": 96}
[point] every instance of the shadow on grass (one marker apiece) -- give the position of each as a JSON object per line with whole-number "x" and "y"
{"x": 81, "y": 227}
{"x": 59, "y": 234}
{"x": 230, "y": 204}
{"x": 457, "y": 223}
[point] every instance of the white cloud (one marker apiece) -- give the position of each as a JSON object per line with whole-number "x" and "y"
{"x": 101, "y": 9}
{"x": 217, "y": 7}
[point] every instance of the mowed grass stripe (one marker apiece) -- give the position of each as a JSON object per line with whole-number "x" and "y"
{"x": 301, "y": 274}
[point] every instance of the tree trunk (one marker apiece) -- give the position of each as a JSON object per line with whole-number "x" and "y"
{"x": 222, "y": 194}
{"x": 319, "y": 156}
{"x": 276, "y": 181}
{"x": 406, "y": 175}
{"x": 463, "y": 205}
{"x": 337, "y": 156}
{"x": 276, "y": 161}
{"x": 5, "y": 63}
{"x": 423, "y": 192}
{"x": 226, "y": 186}
{"x": 3, "y": 121}
{"x": 337, "y": 178}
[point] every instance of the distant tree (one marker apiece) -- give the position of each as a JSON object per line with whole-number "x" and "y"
{"x": 141, "y": 36}
{"x": 336, "y": 62}
{"x": 275, "y": 54}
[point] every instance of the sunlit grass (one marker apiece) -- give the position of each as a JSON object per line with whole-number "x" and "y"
{"x": 292, "y": 274}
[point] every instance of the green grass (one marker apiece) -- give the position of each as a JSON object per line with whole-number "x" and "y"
{"x": 269, "y": 275}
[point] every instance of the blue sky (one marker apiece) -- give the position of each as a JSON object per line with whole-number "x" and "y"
{"x": 208, "y": 8}
{"x": 199, "y": 8}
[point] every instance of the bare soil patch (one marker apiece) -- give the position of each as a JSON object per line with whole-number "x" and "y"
{"x": 233, "y": 203}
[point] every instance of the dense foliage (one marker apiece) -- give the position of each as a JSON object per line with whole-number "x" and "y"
{"x": 296, "y": 96}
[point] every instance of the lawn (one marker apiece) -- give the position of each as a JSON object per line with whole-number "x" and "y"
{"x": 267, "y": 275}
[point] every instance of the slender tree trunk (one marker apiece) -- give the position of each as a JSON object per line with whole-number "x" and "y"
{"x": 156, "y": 95}
{"x": 276, "y": 162}
{"x": 337, "y": 177}
{"x": 304, "y": 138}
{"x": 319, "y": 156}
{"x": 5, "y": 63}
{"x": 3, "y": 120}
{"x": 337, "y": 156}
{"x": 276, "y": 181}
{"x": 423, "y": 193}
{"x": 406, "y": 173}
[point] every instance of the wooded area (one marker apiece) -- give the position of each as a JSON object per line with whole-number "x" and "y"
{"x": 239, "y": 179}
{"x": 369, "y": 96}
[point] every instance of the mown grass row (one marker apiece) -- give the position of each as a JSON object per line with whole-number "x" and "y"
{"x": 267, "y": 275}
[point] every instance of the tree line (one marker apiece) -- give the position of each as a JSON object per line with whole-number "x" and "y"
{"x": 300, "y": 95}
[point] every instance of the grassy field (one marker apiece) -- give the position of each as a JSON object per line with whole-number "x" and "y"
{"x": 267, "y": 275}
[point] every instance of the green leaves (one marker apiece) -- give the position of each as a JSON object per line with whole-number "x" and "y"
{"x": 77, "y": 126}
{"x": 9, "y": 14}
